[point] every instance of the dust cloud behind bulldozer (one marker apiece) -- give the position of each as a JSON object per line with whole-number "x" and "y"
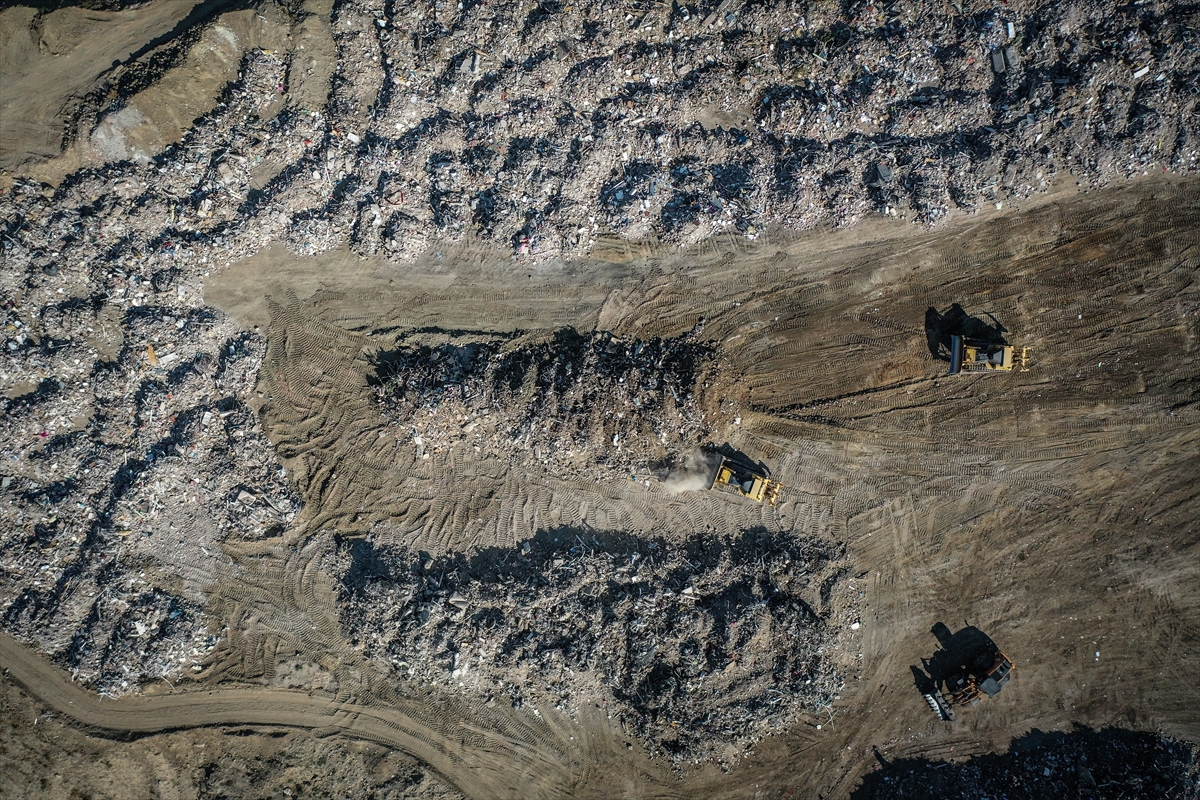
{"x": 694, "y": 473}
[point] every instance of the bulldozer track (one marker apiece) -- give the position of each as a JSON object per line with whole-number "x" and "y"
{"x": 980, "y": 495}
{"x": 519, "y": 758}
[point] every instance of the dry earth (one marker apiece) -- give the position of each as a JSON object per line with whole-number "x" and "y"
{"x": 360, "y": 405}
{"x": 1054, "y": 508}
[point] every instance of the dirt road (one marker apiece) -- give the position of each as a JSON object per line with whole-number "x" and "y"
{"x": 320, "y": 315}
{"x": 481, "y": 758}
{"x": 1054, "y": 509}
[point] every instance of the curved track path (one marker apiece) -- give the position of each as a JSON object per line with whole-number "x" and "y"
{"x": 480, "y": 763}
{"x": 1053, "y": 508}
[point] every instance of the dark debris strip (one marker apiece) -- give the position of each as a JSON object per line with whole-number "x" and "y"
{"x": 699, "y": 645}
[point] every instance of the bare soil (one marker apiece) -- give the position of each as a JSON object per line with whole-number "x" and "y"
{"x": 44, "y": 755}
{"x": 363, "y": 366}
{"x": 1005, "y": 499}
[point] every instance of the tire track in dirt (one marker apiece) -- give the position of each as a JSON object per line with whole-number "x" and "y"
{"x": 958, "y": 497}
{"x": 479, "y": 762}
{"x": 1006, "y": 467}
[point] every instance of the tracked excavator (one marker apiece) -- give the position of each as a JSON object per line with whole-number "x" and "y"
{"x": 746, "y": 481}
{"x": 967, "y": 687}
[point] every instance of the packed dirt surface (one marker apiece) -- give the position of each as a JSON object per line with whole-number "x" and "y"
{"x": 43, "y": 754}
{"x": 366, "y": 370}
{"x": 1005, "y": 499}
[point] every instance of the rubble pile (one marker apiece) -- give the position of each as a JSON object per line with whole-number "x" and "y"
{"x": 1109, "y": 764}
{"x": 585, "y": 404}
{"x": 695, "y": 646}
{"x": 120, "y": 483}
{"x": 536, "y": 130}
{"x": 539, "y": 128}
{"x": 128, "y": 449}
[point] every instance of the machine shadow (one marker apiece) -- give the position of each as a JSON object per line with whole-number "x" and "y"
{"x": 958, "y": 652}
{"x": 1086, "y": 763}
{"x": 967, "y": 666}
{"x": 956, "y": 321}
{"x": 731, "y": 453}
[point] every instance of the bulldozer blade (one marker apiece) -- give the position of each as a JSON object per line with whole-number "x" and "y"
{"x": 956, "y": 354}
{"x": 939, "y": 706}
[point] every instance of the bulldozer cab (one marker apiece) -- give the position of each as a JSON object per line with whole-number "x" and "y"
{"x": 963, "y": 689}
{"x": 967, "y": 669}
{"x": 747, "y": 482}
{"x": 969, "y": 355}
{"x": 997, "y": 675}
{"x": 968, "y": 687}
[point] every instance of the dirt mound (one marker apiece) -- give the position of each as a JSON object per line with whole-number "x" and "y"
{"x": 702, "y": 648}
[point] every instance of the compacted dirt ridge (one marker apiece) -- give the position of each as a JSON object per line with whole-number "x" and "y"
{"x": 366, "y": 368}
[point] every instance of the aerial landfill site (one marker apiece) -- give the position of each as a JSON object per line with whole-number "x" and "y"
{"x": 593, "y": 399}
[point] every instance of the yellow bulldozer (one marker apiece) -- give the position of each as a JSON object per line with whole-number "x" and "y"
{"x": 746, "y": 481}
{"x": 972, "y": 355}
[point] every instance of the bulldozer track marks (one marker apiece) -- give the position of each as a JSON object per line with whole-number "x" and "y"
{"x": 919, "y": 474}
{"x": 484, "y": 756}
